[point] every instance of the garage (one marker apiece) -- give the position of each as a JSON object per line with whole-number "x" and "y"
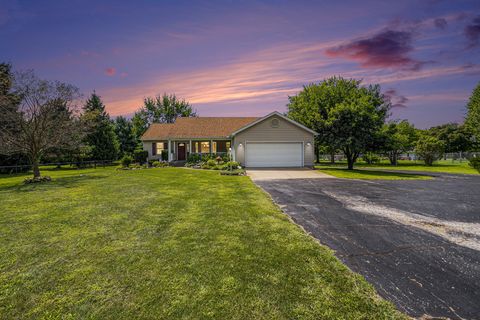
{"x": 274, "y": 154}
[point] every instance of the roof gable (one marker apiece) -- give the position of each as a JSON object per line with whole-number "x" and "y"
{"x": 278, "y": 114}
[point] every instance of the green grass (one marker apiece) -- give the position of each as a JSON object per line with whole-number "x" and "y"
{"x": 445, "y": 166}
{"x": 165, "y": 243}
{"x": 365, "y": 174}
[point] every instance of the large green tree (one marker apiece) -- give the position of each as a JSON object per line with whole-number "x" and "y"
{"x": 160, "y": 109}
{"x": 456, "y": 138}
{"x": 125, "y": 135}
{"x": 41, "y": 120}
{"x": 100, "y": 136}
{"x": 472, "y": 121}
{"x": 347, "y": 115}
{"x": 398, "y": 137}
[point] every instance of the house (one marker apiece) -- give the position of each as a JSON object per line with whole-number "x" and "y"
{"x": 270, "y": 141}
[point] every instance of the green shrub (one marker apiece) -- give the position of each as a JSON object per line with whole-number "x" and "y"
{"x": 126, "y": 161}
{"x": 475, "y": 163}
{"x": 159, "y": 164}
{"x": 164, "y": 155}
{"x": 371, "y": 158}
{"x": 211, "y": 163}
{"x": 193, "y": 158}
{"x": 140, "y": 156}
{"x": 430, "y": 149}
{"x": 232, "y": 164}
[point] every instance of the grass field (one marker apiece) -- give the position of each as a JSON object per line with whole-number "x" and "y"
{"x": 366, "y": 174}
{"x": 166, "y": 243}
{"x": 366, "y": 171}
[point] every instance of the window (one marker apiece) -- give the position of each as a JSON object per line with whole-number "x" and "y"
{"x": 214, "y": 147}
{"x": 158, "y": 147}
{"x": 205, "y": 147}
{"x": 161, "y": 146}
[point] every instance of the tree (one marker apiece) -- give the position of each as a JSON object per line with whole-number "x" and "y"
{"x": 43, "y": 118}
{"x": 455, "y": 137}
{"x": 126, "y": 138}
{"x": 472, "y": 121}
{"x": 429, "y": 149}
{"x": 100, "y": 131}
{"x": 398, "y": 137}
{"x": 346, "y": 115}
{"x": 160, "y": 109}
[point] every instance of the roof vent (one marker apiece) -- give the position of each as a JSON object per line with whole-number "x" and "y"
{"x": 275, "y": 123}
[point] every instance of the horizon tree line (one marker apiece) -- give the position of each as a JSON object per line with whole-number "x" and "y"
{"x": 46, "y": 121}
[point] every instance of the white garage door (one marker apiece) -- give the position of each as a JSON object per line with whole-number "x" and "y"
{"x": 274, "y": 154}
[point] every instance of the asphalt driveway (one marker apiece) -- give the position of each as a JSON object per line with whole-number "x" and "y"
{"x": 417, "y": 241}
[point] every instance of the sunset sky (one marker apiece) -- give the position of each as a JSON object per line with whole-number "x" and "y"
{"x": 243, "y": 58}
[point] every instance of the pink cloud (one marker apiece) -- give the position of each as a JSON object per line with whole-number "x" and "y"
{"x": 388, "y": 48}
{"x": 110, "y": 72}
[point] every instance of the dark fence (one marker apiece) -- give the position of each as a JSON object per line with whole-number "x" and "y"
{"x": 78, "y": 164}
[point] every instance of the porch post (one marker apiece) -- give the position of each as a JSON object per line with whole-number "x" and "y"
{"x": 190, "y": 146}
{"x": 169, "y": 150}
{"x": 211, "y": 146}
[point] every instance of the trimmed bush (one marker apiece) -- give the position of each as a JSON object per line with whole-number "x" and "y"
{"x": 164, "y": 155}
{"x": 140, "y": 156}
{"x": 126, "y": 161}
{"x": 371, "y": 158}
{"x": 159, "y": 164}
{"x": 474, "y": 163}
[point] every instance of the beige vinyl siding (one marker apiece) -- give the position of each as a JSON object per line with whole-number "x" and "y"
{"x": 265, "y": 132}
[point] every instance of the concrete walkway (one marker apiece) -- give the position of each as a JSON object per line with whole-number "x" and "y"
{"x": 267, "y": 174}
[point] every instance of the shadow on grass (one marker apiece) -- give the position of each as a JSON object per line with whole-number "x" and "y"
{"x": 61, "y": 182}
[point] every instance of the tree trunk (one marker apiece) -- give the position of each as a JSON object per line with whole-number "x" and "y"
{"x": 36, "y": 169}
{"x": 332, "y": 157}
{"x": 350, "y": 162}
{"x": 317, "y": 153}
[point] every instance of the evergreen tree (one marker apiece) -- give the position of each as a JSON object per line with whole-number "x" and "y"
{"x": 126, "y": 138}
{"x": 100, "y": 131}
{"x": 472, "y": 122}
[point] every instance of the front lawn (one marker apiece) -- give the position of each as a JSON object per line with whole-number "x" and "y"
{"x": 165, "y": 243}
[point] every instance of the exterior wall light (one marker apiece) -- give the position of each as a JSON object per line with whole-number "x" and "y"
{"x": 308, "y": 144}
{"x": 240, "y": 145}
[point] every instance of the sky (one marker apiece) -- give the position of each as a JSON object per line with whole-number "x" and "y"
{"x": 244, "y": 58}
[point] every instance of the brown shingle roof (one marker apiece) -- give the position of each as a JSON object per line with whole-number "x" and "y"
{"x": 195, "y": 128}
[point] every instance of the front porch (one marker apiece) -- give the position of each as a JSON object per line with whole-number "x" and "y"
{"x": 181, "y": 149}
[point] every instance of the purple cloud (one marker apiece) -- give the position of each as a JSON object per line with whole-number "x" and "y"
{"x": 110, "y": 72}
{"x": 472, "y": 32}
{"x": 397, "y": 100}
{"x": 388, "y": 48}
{"x": 440, "y": 23}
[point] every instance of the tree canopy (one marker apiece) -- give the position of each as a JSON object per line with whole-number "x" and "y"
{"x": 472, "y": 121}
{"x": 398, "y": 137}
{"x": 347, "y": 115}
{"x": 41, "y": 119}
{"x": 160, "y": 109}
{"x": 125, "y": 135}
{"x": 100, "y": 135}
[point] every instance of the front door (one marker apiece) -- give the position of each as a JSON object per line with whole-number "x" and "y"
{"x": 181, "y": 151}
